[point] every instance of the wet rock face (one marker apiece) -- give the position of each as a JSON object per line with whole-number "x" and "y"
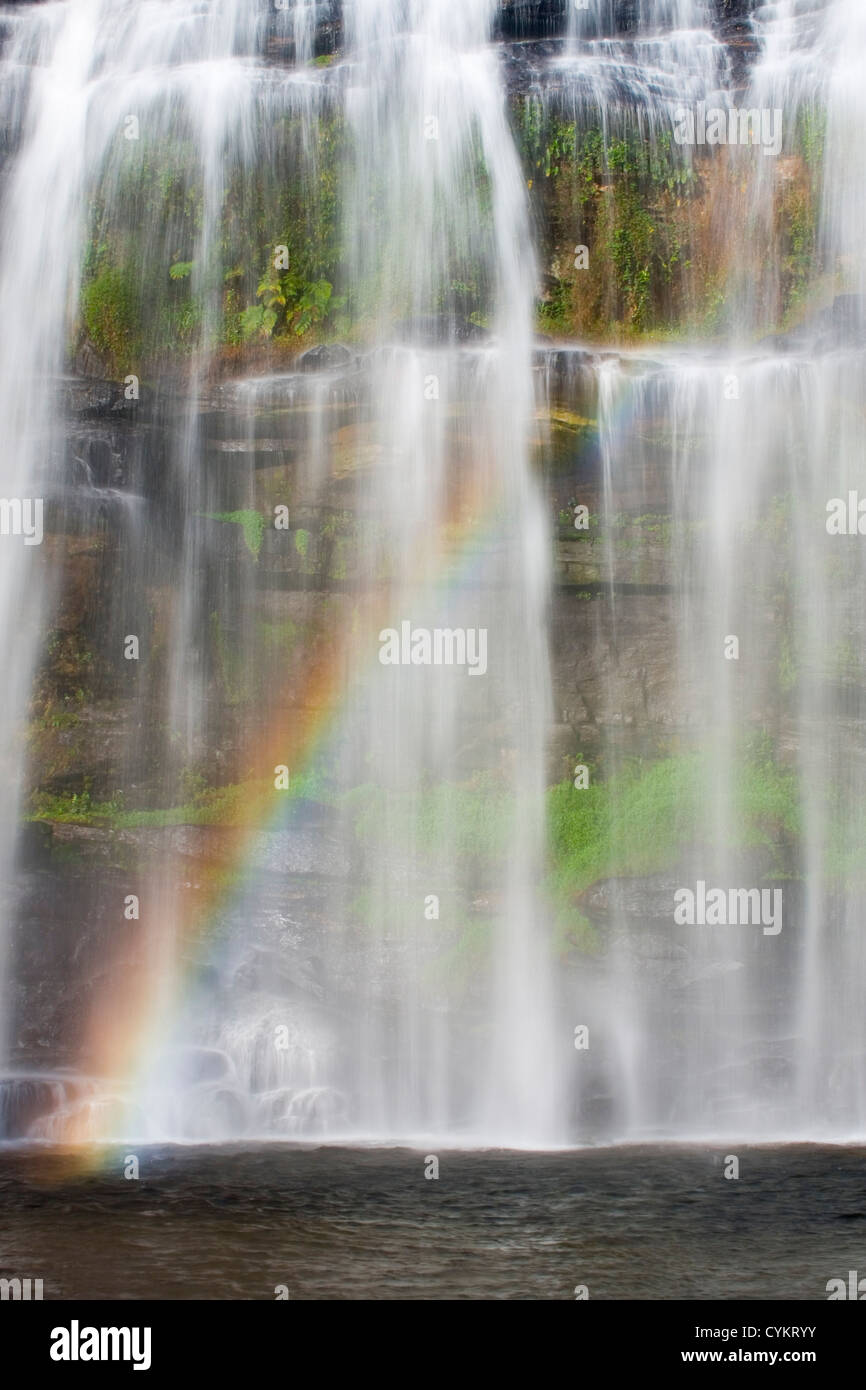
{"x": 525, "y": 18}
{"x": 280, "y": 43}
{"x": 514, "y": 19}
{"x": 528, "y": 18}
{"x": 841, "y": 325}
{"x": 25, "y": 1099}
{"x": 729, "y": 11}
{"x": 326, "y": 357}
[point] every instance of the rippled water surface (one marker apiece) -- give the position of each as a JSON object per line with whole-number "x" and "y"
{"x": 328, "y": 1223}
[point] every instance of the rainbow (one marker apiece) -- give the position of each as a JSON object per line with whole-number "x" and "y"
{"x": 135, "y": 1012}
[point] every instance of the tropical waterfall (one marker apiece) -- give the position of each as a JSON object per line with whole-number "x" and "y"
{"x": 328, "y": 908}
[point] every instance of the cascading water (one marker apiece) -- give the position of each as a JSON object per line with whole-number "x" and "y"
{"x": 344, "y": 922}
{"x": 452, "y": 542}
{"x": 105, "y": 90}
{"x": 427, "y": 113}
{"x": 457, "y": 545}
{"x": 733, "y": 1028}
{"x": 670, "y": 54}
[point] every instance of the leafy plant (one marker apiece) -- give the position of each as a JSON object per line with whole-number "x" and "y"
{"x": 257, "y": 320}
{"x": 314, "y": 305}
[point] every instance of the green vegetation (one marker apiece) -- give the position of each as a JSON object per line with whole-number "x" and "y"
{"x": 811, "y": 136}
{"x": 650, "y": 213}
{"x": 636, "y": 822}
{"x": 181, "y": 288}
{"x": 110, "y": 306}
{"x": 640, "y": 820}
{"x": 265, "y": 270}
{"x": 798, "y": 240}
{"x": 623, "y": 197}
{"x": 252, "y": 524}
{"x": 237, "y": 804}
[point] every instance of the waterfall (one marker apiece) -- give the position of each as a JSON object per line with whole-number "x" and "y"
{"x": 427, "y": 112}
{"x": 744, "y": 449}
{"x": 451, "y": 540}
{"x": 39, "y": 239}
{"x": 668, "y": 55}
{"x": 97, "y": 94}
{"x": 295, "y": 674}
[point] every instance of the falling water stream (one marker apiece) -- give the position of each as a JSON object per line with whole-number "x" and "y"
{"x": 374, "y": 954}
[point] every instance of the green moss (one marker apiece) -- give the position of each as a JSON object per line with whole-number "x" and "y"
{"x": 252, "y": 524}
{"x": 637, "y": 822}
{"x": 215, "y": 806}
{"x": 56, "y": 714}
{"x": 642, "y": 819}
{"x": 74, "y": 808}
{"x": 150, "y": 288}
{"x": 556, "y": 314}
{"x": 632, "y": 238}
{"x": 811, "y": 135}
{"x": 799, "y": 210}
{"x": 111, "y": 311}
{"x": 236, "y": 804}
{"x": 626, "y": 198}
